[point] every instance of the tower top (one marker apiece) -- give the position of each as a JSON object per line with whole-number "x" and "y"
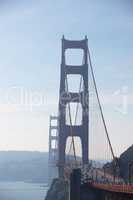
{"x": 74, "y": 44}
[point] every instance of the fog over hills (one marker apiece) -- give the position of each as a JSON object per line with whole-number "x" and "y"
{"x": 31, "y": 166}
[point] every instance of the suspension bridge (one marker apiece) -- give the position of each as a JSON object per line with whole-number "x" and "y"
{"x": 79, "y": 141}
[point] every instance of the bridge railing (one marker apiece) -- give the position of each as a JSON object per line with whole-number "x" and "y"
{"x": 97, "y": 175}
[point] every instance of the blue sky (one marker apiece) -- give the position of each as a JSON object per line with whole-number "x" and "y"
{"x": 30, "y": 49}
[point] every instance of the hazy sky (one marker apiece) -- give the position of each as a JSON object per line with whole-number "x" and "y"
{"x": 30, "y": 47}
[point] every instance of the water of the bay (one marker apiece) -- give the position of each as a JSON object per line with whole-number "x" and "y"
{"x": 22, "y": 191}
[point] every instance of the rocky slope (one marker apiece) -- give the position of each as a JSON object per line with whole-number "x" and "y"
{"x": 123, "y": 163}
{"x": 125, "y": 159}
{"x": 59, "y": 190}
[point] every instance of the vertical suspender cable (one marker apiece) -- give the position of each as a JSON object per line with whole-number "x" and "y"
{"x": 77, "y": 107}
{"x": 70, "y": 118}
{"x": 76, "y": 113}
{"x": 100, "y": 107}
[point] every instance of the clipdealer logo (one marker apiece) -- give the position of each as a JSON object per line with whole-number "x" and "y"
{"x": 120, "y": 99}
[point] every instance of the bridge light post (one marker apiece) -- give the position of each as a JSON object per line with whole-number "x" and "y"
{"x": 104, "y": 171}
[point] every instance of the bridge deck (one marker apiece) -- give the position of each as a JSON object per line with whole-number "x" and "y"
{"x": 127, "y": 189}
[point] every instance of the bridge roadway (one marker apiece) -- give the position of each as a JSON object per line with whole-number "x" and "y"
{"x": 117, "y": 188}
{"x": 105, "y": 191}
{"x": 107, "y": 186}
{"x": 106, "y": 182}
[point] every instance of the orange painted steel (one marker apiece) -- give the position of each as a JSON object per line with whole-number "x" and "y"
{"x": 128, "y": 189}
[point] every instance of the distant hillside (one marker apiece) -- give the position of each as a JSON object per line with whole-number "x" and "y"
{"x": 23, "y": 166}
{"x": 21, "y": 155}
{"x": 33, "y": 166}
